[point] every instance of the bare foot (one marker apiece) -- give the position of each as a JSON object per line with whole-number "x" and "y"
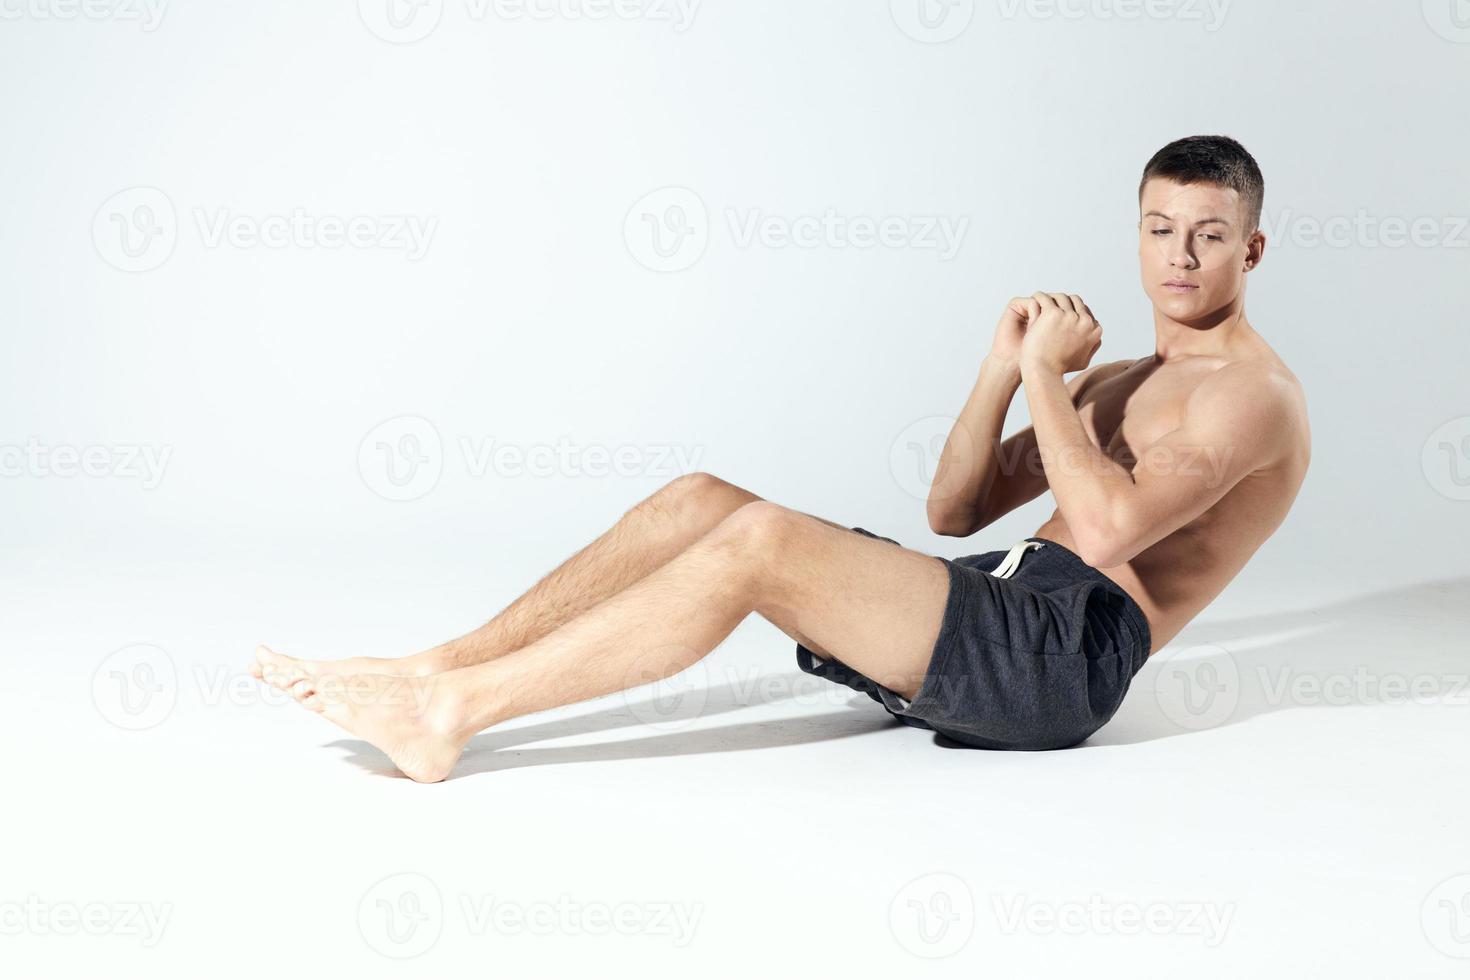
{"x": 282, "y": 671}
{"x": 416, "y": 722}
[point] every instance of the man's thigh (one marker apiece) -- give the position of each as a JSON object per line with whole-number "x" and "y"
{"x": 869, "y": 604}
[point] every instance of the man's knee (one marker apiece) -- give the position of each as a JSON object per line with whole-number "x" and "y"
{"x": 706, "y": 494}
{"x": 761, "y": 528}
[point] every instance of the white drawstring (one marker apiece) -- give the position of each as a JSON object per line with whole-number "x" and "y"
{"x": 1012, "y": 560}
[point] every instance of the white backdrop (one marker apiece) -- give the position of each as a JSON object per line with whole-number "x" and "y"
{"x": 350, "y": 320}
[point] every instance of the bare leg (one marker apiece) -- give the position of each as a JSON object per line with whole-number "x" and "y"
{"x": 643, "y": 539}
{"x": 876, "y": 606}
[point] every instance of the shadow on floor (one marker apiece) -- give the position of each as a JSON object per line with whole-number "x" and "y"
{"x": 1394, "y": 647}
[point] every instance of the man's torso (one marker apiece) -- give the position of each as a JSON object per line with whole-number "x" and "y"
{"x": 1126, "y": 408}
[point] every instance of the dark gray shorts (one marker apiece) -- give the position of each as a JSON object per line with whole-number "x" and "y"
{"x": 1038, "y": 660}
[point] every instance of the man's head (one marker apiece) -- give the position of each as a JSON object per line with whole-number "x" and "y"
{"x": 1200, "y": 205}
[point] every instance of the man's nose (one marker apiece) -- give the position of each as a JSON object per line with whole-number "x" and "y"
{"x": 1181, "y": 257}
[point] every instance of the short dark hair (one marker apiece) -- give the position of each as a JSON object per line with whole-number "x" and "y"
{"x": 1216, "y": 160}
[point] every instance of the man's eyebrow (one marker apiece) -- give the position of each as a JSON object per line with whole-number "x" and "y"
{"x": 1202, "y": 221}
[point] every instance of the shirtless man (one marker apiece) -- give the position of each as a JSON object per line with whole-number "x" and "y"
{"x": 1168, "y": 472}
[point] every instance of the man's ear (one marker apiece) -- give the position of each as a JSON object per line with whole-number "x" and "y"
{"x": 1255, "y": 249}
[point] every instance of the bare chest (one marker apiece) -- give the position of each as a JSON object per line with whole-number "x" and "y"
{"x": 1129, "y": 412}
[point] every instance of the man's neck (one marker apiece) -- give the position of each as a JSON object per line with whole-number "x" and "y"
{"x": 1215, "y": 336}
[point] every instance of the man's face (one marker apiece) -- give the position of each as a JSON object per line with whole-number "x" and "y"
{"x": 1194, "y": 234}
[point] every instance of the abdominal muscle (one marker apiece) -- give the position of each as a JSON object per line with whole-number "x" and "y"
{"x": 1176, "y": 577}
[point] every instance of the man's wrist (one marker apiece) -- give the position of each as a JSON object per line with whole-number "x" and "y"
{"x": 1032, "y": 367}
{"x": 1006, "y": 369}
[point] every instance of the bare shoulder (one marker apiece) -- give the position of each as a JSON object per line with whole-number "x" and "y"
{"x": 1259, "y": 397}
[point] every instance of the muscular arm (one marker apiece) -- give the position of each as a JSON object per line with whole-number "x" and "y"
{"x": 1232, "y": 425}
{"x": 976, "y": 483}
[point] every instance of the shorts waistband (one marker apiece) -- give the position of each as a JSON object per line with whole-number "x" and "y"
{"x": 1132, "y": 612}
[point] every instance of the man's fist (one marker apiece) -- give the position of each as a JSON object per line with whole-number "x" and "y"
{"x": 1061, "y": 332}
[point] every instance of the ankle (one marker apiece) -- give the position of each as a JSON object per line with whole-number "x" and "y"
{"x": 435, "y": 661}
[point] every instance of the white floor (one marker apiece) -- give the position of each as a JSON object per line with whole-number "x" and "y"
{"x": 1285, "y": 785}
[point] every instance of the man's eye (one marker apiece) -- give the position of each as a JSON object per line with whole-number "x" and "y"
{"x": 1161, "y": 231}
{"x": 1215, "y": 238}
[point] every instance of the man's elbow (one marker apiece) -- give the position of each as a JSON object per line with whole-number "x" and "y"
{"x": 950, "y": 524}
{"x": 1103, "y": 547}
